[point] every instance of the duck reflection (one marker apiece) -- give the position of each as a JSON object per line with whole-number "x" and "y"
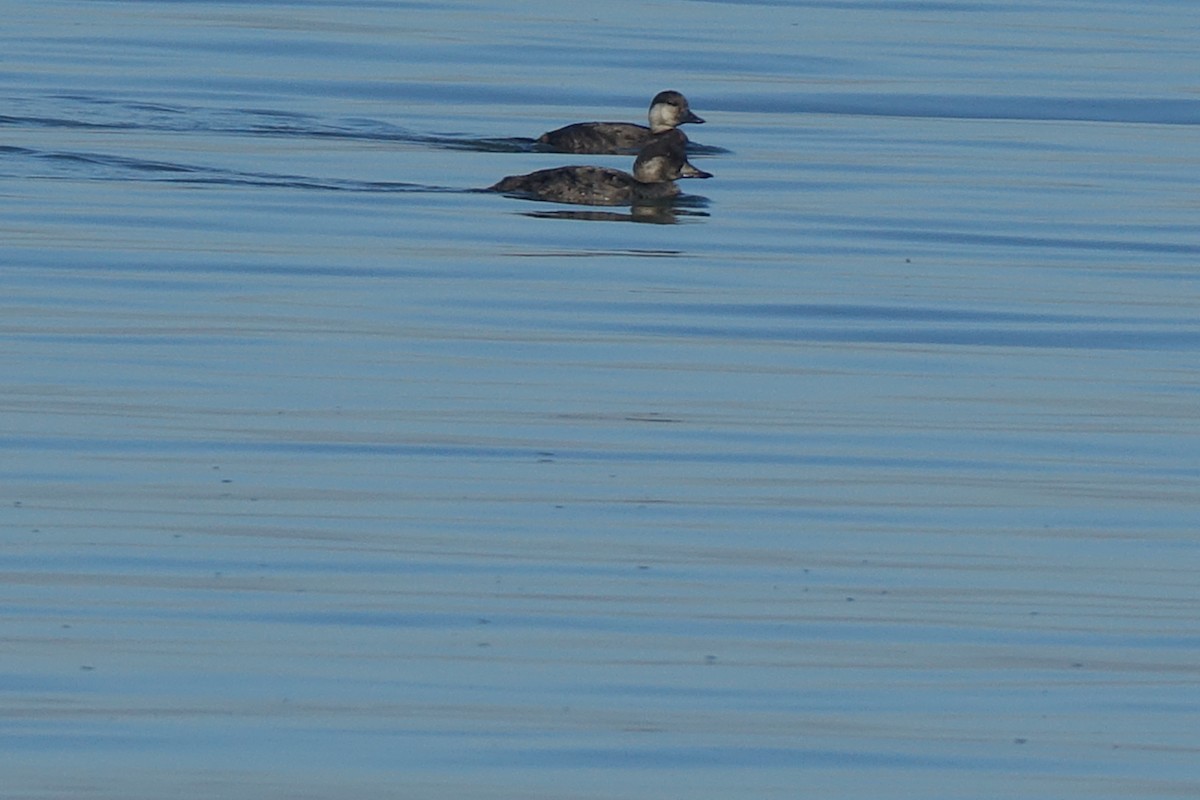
{"x": 654, "y": 214}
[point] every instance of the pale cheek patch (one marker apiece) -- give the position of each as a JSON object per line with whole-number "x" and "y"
{"x": 664, "y": 116}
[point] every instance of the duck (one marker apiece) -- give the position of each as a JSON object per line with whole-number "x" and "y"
{"x": 668, "y": 110}
{"x": 661, "y": 161}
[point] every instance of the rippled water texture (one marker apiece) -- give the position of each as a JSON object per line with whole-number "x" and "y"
{"x": 867, "y": 470}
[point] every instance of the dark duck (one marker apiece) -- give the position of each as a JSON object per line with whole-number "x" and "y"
{"x": 668, "y": 110}
{"x": 659, "y": 164}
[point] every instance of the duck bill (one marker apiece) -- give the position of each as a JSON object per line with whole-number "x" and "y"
{"x": 692, "y": 118}
{"x": 688, "y": 171}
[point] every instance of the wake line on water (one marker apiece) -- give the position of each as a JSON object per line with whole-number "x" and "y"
{"x": 102, "y": 115}
{"x": 101, "y": 166}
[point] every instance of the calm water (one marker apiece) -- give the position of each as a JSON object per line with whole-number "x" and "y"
{"x": 871, "y": 471}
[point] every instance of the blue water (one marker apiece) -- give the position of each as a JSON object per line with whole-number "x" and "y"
{"x": 871, "y": 470}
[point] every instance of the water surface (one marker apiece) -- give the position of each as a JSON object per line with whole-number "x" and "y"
{"x": 872, "y": 473}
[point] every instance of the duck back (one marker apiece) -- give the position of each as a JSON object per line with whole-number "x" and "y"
{"x": 597, "y": 137}
{"x": 597, "y": 186}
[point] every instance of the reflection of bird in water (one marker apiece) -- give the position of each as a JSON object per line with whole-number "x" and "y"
{"x": 658, "y": 165}
{"x": 655, "y": 214}
{"x": 667, "y": 111}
